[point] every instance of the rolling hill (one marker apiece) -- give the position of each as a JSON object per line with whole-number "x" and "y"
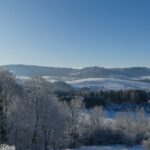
{"x": 92, "y": 77}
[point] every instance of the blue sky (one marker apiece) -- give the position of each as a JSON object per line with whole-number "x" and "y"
{"x": 75, "y": 33}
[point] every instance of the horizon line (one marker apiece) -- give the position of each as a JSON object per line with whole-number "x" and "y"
{"x": 94, "y": 66}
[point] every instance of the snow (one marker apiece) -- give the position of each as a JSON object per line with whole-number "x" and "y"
{"x": 115, "y": 147}
{"x": 23, "y": 78}
{"x": 49, "y": 78}
{"x": 145, "y": 77}
{"x": 109, "y": 84}
{"x": 6, "y": 147}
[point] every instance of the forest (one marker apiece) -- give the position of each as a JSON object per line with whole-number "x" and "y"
{"x": 35, "y": 117}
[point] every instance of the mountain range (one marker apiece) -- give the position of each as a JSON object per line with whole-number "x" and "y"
{"x": 89, "y": 72}
{"x": 134, "y": 77}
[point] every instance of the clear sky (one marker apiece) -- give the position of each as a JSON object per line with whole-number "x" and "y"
{"x": 75, "y": 33}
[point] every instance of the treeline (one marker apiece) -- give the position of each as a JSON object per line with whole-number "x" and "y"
{"x": 105, "y": 98}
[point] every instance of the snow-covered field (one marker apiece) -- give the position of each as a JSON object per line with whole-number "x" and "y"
{"x": 118, "y": 147}
{"x": 109, "y": 83}
{"x": 99, "y": 83}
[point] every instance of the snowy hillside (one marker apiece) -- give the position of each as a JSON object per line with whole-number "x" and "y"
{"x": 88, "y": 72}
{"x": 99, "y": 83}
{"x": 109, "y": 83}
{"x": 95, "y": 78}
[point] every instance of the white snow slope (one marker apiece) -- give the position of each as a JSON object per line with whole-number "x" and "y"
{"x": 109, "y": 84}
{"x": 99, "y": 83}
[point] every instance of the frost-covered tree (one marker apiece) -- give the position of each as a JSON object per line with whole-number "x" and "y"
{"x": 141, "y": 124}
{"x": 73, "y": 119}
{"x": 24, "y": 114}
{"x": 9, "y": 89}
{"x": 133, "y": 126}
{"x": 125, "y": 125}
{"x": 53, "y": 123}
{"x": 43, "y": 115}
{"x": 37, "y": 90}
{"x": 97, "y": 115}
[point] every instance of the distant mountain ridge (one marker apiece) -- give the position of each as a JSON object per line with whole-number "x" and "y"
{"x": 31, "y": 70}
{"x": 89, "y": 72}
{"x": 94, "y": 78}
